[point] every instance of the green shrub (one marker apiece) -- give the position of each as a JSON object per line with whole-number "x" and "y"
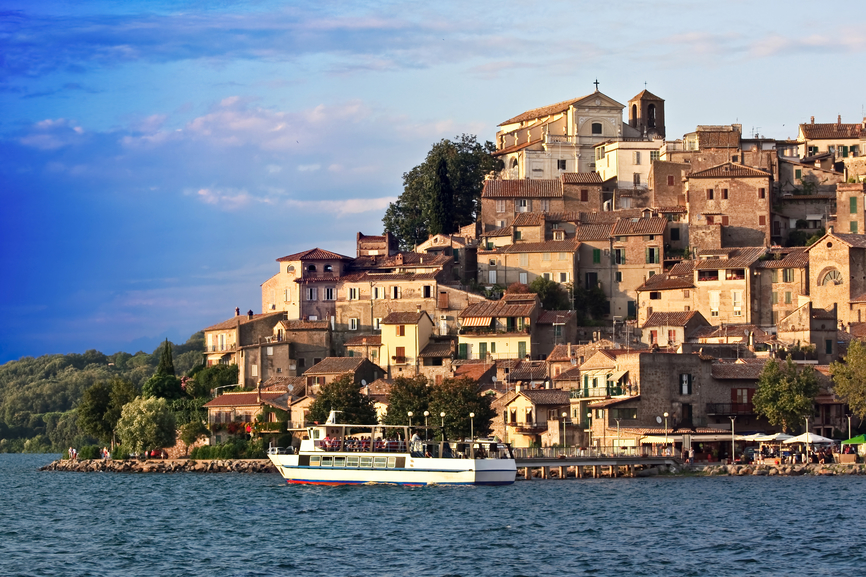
{"x": 120, "y": 452}
{"x": 90, "y": 452}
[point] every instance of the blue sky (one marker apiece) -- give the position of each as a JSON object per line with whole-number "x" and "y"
{"x": 157, "y": 157}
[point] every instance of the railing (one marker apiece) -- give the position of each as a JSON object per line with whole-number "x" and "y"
{"x": 484, "y": 331}
{"x": 730, "y": 409}
{"x": 220, "y": 348}
{"x": 596, "y": 451}
{"x": 596, "y": 392}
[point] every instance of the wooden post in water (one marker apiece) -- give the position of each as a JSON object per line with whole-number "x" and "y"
{"x": 562, "y": 472}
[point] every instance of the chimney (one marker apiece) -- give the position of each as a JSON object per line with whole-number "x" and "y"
{"x": 517, "y": 387}
{"x": 569, "y": 349}
{"x": 829, "y": 230}
{"x": 839, "y": 120}
{"x": 250, "y": 314}
{"x": 237, "y": 311}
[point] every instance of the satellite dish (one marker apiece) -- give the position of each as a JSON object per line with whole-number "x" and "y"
{"x": 364, "y": 384}
{"x": 659, "y": 420}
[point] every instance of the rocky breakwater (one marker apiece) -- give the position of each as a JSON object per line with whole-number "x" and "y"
{"x": 162, "y": 466}
{"x": 785, "y": 470}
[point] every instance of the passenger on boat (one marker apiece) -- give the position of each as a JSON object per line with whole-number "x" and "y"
{"x": 415, "y": 445}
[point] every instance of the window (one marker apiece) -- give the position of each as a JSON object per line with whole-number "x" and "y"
{"x": 270, "y": 351}
{"x": 762, "y": 220}
{"x": 522, "y": 205}
{"x": 563, "y": 277}
{"x": 523, "y": 278}
{"x": 491, "y": 262}
{"x": 517, "y": 235}
{"x": 330, "y": 293}
{"x": 636, "y": 178}
{"x": 652, "y": 255}
{"x": 853, "y": 226}
{"x": 636, "y": 156}
{"x": 852, "y": 205}
{"x": 401, "y": 330}
{"x": 523, "y": 259}
{"x": 353, "y": 324}
{"x": 377, "y": 324}
{"x": 560, "y": 164}
{"x": 686, "y": 293}
{"x": 311, "y": 293}
{"x": 832, "y": 277}
{"x": 654, "y": 337}
{"x": 774, "y": 298}
{"x": 724, "y": 194}
{"x": 774, "y": 275}
{"x": 596, "y": 129}
{"x": 737, "y": 302}
{"x": 563, "y": 256}
{"x": 427, "y": 291}
{"x": 599, "y": 152}
{"x": 311, "y": 268}
{"x": 619, "y": 256}
{"x": 396, "y": 292}
{"x": 788, "y": 275}
{"x": 685, "y": 384}
{"x": 655, "y": 295}
{"x": 787, "y": 297}
{"x": 670, "y": 180}
{"x": 354, "y": 294}
{"x": 709, "y": 194}
{"x": 798, "y": 174}
{"x": 500, "y": 206}
{"x": 725, "y": 221}
{"x": 715, "y": 297}
{"x": 254, "y": 370}
{"x": 544, "y": 205}
{"x": 400, "y": 355}
{"x": 546, "y": 276}
{"x": 545, "y": 256}
{"x": 675, "y": 233}
{"x": 710, "y": 220}
{"x": 618, "y": 276}
{"x": 584, "y": 195}
{"x": 762, "y": 193}
{"x": 654, "y": 155}
{"x": 672, "y": 336}
{"x": 302, "y": 362}
{"x": 491, "y": 277}
{"x": 596, "y": 256}
{"x": 828, "y": 346}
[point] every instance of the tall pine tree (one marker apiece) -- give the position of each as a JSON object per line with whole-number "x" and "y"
{"x": 166, "y": 362}
{"x": 441, "y": 201}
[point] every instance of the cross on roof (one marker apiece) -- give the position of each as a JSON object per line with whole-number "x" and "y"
{"x": 596, "y": 84}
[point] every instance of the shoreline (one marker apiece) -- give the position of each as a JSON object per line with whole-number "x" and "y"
{"x": 162, "y": 466}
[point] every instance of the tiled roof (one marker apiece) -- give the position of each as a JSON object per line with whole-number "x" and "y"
{"x": 659, "y": 282}
{"x": 717, "y": 137}
{"x": 608, "y": 402}
{"x": 528, "y": 219}
{"x": 301, "y": 325}
{"x": 543, "y": 111}
{"x": 581, "y": 178}
{"x": 404, "y": 318}
{"x": 436, "y": 349}
{"x": 587, "y": 232}
{"x": 529, "y": 371}
{"x": 380, "y": 388}
{"x": 293, "y": 385}
{"x": 674, "y": 319}
{"x": 729, "y": 170}
{"x": 824, "y": 314}
{"x": 672, "y": 209}
{"x": 499, "y": 232}
{"x": 314, "y": 254}
{"x": 546, "y": 396}
{"x": 368, "y": 276}
{"x": 550, "y": 317}
{"x": 736, "y": 371}
{"x": 560, "y": 352}
{"x": 610, "y": 216}
{"x": 567, "y": 245}
{"x": 336, "y": 366}
{"x": 475, "y": 371}
{"x": 683, "y": 268}
{"x": 832, "y": 130}
{"x": 522, "y": 189}
{"x": 409, "y": 259}
{"x": 852, "y": 240}
{"x": 738, "y": 258}
{"x": 572, "y": 374}
{"x": 364, "y": 340}
{"x": 641, "y": 226}
{"x": 244, "y": 399}
{"x": 647, "y": 95}
{"x": 566, "y": 216}
{"x": 859, "y": 299}
{"x": 501, "y": 308}
{"x": 238, "y": 320}
{"x": 794, "y": 258}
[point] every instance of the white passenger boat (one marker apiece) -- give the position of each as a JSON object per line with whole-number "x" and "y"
{"x": 338, "y": 454}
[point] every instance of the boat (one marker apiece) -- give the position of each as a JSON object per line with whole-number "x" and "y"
{"x": 344, "y": 454}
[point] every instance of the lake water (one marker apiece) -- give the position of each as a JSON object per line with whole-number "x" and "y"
{"x": 55, "y": 523}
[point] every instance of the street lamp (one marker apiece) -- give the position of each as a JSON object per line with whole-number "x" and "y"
{"x": 733, "y": 449}
{"x": 589, "y": 426}
{"x": 666, "y": 415}
{"x": 472, "y": 426}
{"x": 849, "y": 426}
{"x": 410, "y": 413}
{"x": 564, "y": 415}
{"x": 426, "y": 414}
{"x": 806, "y": 460}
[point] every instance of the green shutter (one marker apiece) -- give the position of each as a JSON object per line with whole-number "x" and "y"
{"x": 463, "y": 350}
{"x": 844, "y": 152}
{"x": 852, "y": 205}
{"x": 493, "y": 347}
{"x": 482, "y": 350}
{"x": 798, "y": 174}
{"x": 647, "y": 253}
{"x": 774, "y": 275}
{"x": 596, "y": 256}
{"x": 521, "y": 349}
{"x": 853, "y": 226}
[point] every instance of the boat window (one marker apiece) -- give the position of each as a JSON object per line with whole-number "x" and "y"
{"x": 327, "y": 461}
{"x": 315, "y": 461}
{"x": 380, "y": 462}
{"x": 339, "y": 461}
{"x": 392, "y": 462}
{"x": 315, "y": 433}
{"x": 366, "y": 462}
{"x": 351, "y": 461}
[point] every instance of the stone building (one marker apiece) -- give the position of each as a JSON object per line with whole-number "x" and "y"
{"x": 781, "y": 284}
{"x": 287, "y": 352}
{"x": 851, "y": 208}
{"x": 501, "y": 329}
{"x": 523, "y": 262}
{"x": 224, "y": 340}
{"x": 664, "y": 329}
{"x": 306, "y": 284}
{"x": 725, "y": 284}
{"x": 533, "y": 417}
{"x": 670, "y": 292}
{"x": 837, "y": 275}
{"x": 844, "y": 142}
{"x": 332, "y": 368}
{"x": 404, "y": 336}
{"x": 462, "y": 250}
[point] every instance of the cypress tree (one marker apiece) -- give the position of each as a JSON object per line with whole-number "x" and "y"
{"x": 442, "y": 201}
{"x": 166, "y": 363}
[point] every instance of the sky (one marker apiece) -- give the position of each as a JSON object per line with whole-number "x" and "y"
{"x": 156, "y": 158}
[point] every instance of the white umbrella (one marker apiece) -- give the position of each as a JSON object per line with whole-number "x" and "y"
{"x": 810, "y": 438}
{"x": 774, "y": 438}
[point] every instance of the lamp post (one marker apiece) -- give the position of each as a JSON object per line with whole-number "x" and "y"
{"x": 849, "y": 425}
{"x": 410, "y": 413}
{"x": 426, "y": 414}
{"x": 733, "y": 449}
{"x": 564, "y": 415}
{"x": 589, "y": 427}
{"x": 666, "y": 415}
{"x": 807, "y": 441}
{"x": 472, "y": 426}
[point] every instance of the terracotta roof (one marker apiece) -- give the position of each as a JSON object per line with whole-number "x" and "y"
{"x": 659, "y": 282}
{"x": 362, "y": 340}
{"x": 794, "y": 258}
{"x": 640, "y": 226}
{"x": 581, "y": 178}
{"x": 529, "y": 371}
{"x": 314, "y": 254}
{"x": 859, "y": 299}
{"x": 522, "y": 189}
{"x": 528, "y": 219}
{"x": 560, "y": 352}
{"x": 729, "y": 170}
{"x": 824, "y": 314}
{"x": 236, "y": 321}
{"x": 301, "y": 325}
{"x": 543, "y": 111}
{"x": 672, "y": 209}
{"x": 737, "y": 258}
{"x": 551, "y": 317}
{"x": 608, "y": 402}
{"x": 567, "y": 245}
{"x": 647, "y": 95}
{"x": 683, "y": 268}
{"x": 336, "y": 366}
{"x": 546, "y": 396}
{"x": 244, "y": 399}
{"x": 832, "y": 130}
{"x": 499, "y": 232}
{"x": 380, "y": 388}
{"x": 674, "y": 319}
{"x": 293, "y": 385}
{"x": 475, "y": 371}
{"x": 436, "y": 350}
{"x": 501, "y": 308}
{"x": 409, "y": 259}
{"x": 588, "y": 232}
{"x": 368, "y": 276}
{"x": 572, "y": 374}
{"x": 566, "y": 216}
{"x": 736, "y": 371}
{"x": 852, "y": 240}
{"x": 610, "y": 216}
{"x": 404, "y": 318}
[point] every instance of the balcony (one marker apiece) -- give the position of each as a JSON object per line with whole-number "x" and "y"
{"x": 528, "y": 427}
{"x": 730, "y": 409}
{"x": 220, "y": 348}
{"x": 590, "y": 392}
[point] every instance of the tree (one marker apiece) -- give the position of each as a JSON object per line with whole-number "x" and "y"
{"x": 207, "y": 379}
{"x": 849, "y": 378}
{"x": 344, "y": 395}
{"x": 407, "y": 394}
{"x": 92, "y": 409}
{"x": 166, "y": 364}
{"x": 553, "y": 297}
{"x": 785, "y": 395}
{"x": 411, "y": 218}
{"x": 162, "y": 386}
{"x": 457, "y": 398}
{"x": 590, "y": 302}
{"x": 192, "y": 432}
{"x": 147, "y": 424}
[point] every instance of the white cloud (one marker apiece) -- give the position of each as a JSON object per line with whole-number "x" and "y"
{"x": 343, "y": 207}
{"x": 228, "y": 200}
{"x": 309, "y": 167}
{"x": 273, "y": 169}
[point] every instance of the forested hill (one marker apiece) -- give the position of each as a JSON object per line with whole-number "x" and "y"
{"x": 38, "y": 395}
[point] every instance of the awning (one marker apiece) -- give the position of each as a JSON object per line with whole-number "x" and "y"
{"x": 617, "y": 375}
{"x": 475, "y": 321}
{"x": 661, "y": 440}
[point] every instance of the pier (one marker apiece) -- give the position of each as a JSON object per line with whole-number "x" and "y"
{"x": 593, "y": 467}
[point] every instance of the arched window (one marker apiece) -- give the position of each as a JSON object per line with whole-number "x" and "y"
{"x": 328, "y": 268}
{"x": 311, "y": 268}
{"x": 514, "y": 163}
{"x": 651, "y": 116}
{"x": 633, "y": 115}
{"x": 832, "y": 277}
{"x": 596, "y": 127}
{"x": 290, "y": 268}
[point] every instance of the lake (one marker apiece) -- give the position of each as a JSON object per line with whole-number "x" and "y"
{"x": 231, "y": 524}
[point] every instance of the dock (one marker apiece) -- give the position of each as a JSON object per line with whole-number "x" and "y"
{"x": 593, "y": 467}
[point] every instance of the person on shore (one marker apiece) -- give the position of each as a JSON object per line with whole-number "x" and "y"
{"x": 691, "y": 455}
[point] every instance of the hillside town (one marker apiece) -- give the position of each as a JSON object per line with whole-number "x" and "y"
{"x": 710, "y": 253}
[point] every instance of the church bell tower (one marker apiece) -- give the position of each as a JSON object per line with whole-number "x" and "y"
{"x": 646, "y": 113}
